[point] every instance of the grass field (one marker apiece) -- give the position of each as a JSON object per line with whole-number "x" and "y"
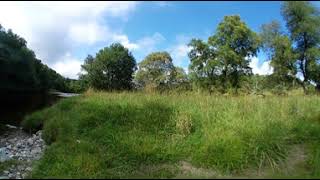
{"x": 137, "y": 135}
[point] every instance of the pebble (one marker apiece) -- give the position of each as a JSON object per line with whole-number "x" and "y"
{"x": 18, "y": 145}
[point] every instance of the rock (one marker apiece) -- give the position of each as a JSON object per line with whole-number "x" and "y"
{"x": 30, "y": 141}
{"x": 3, "y": 155}
{"x": 4, "y": 177}
{"x": 28, "y": 169}
{"x": 11, "y": 127}
{"x": 23, "y": 147}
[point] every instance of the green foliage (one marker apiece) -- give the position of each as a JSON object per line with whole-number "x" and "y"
{"x": 111, "y": 69}
{"x": 203, "y": 67}
{"x": 303, "y": 21}
{"x": 115, "y": 135}
{"x": 155, "y": 70}
{"x": 20, "y": 70}
{"x": 281, "y": 54}
{"x": 224, "y": 60}
{"x": 234, "y": 43}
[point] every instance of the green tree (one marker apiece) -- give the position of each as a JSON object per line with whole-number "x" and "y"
{"x": 156, "y": 70}
{"x": 281, "y": 54}
{"x": 303, "y": 21}
{"x": 234, "y": 44}
{"x": 225, "y": 58}
{"x": 204, "y": 68}
{"x": 111, "y": 69}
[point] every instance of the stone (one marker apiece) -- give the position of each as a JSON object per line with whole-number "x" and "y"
{"x": 28, "y": 169}
{"x": 4, "y": 177}
{"x": 3, "y": 155}
{"x": 11, "y": 127}
{"x": 23, "y": 147}
{"x": 30, "y": 141}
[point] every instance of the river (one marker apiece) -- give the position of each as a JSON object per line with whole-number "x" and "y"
{"x": 15, "y": 106}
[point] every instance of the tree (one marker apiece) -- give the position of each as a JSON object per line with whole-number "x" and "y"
{"x": 156, "y": 70}
{"x": 111, "y": 69}
{"x": 225, "y": 58}
{"x": 303, "y": 21}
{"x": 204, "y": 68}
{"x": 180, "y": 76}
{"x": 234, "y": 44}
{"x": 279, "y": 49}
{"x": 20, "y": 70}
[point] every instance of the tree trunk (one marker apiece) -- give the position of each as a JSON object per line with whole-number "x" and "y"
{"x": 304, "y": 88}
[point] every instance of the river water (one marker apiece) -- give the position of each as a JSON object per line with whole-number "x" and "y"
{"x": 15, "y": 106}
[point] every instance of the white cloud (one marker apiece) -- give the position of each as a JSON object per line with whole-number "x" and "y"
{"x": 264, "y": 69}
{"x": 180, "y": 54}
{"x": 179, "y": 51}
{"x": 147, "y": 44}
{"x": 88, "y": 33}
{"x": 54, "y": 29}
{"x": 68, "y": 66}
{"x": 123, "y": 39}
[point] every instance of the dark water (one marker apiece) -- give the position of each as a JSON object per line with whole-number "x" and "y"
{"x": 15, "y": 106}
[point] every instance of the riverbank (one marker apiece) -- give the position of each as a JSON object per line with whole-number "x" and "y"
{"x": 132, "y": 135}
{"x": 18, "y": 152}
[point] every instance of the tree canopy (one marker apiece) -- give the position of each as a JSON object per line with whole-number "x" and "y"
{"x": 20, "y": 70}
{"x": 111, "y": 69}
{"x": 226, "y": 56}
{"x": 303, "y": 21}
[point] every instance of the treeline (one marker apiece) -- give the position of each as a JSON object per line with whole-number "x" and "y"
{"x": 21, "y": 71}
{"x": 220, "y": 64}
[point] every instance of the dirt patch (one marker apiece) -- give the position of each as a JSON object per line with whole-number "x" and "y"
{"x": 180, "y": 170}
{"x": 187, "y": 170}
{"x": 295, "y": 165}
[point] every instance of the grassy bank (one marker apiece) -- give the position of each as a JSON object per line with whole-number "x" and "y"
{"x": 121, "y": 135}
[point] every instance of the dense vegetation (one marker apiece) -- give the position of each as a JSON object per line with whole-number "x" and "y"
{"x": 137, "y": 134}
{"x": 220, "y": 65}
{"x": 126, "y": 135}
{"x": 20, "y": 70}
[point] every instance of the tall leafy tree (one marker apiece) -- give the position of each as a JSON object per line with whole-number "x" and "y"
{"x": 204, "y": 68}
{"x": 156, "y": 70}
{"x": 111, "y": 69}
{"x": 281, "y": 54}
{"x": 234, "y": 44}
{"x": 226, "y": 56}
{"x": 303, "y": 22}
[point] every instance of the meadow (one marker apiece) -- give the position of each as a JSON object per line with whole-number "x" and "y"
{"x": 187, "y": 135}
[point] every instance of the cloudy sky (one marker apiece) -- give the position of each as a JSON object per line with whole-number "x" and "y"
{"x": 62, "y": 34}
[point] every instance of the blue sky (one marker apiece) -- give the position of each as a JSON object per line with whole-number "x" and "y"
{"x": 63, "y": 33}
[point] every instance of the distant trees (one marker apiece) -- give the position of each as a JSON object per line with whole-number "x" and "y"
{"x": 219, "y": 64}
{"x": 20, "y": 70}
{"x": 226, "y": 56}
{"x": 111, "y": 69}
{"x": 157, "y": 72}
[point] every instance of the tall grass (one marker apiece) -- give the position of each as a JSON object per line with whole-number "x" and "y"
{"x": 113, "y": 135}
